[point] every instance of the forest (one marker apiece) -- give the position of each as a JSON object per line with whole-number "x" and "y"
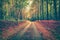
{"x": 29, "y": 10}
{"x": 29, "y": 19}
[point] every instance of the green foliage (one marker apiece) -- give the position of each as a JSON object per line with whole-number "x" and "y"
{"x": 20, "y": 3}
{"x": 47, "y": 9}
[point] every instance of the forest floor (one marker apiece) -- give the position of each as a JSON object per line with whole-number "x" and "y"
{"x": 29, "y": 30}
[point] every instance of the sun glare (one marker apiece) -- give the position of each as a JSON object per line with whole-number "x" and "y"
{"x": 28, "y": 6}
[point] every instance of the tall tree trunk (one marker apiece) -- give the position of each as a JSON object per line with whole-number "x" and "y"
{"x": 20, "y": 13}
{"x": 1, "y": 11}
{"x": 59, "y": 10}
{"x": 39, "y": 9}
{"x": 42, "y": 14}
{"x": 55, "y": 10}
{"x": 47, "y": 9}
{"x": 50, "y": 10}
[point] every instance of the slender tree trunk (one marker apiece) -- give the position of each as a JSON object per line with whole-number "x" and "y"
{"x": 59, "y": 10}
{"x": 55, "y": 10}
{"x": 20, "y": 13}
{"x": 39, "y": 9}
{"x": 47, "y": 9}
{"x": 42, "y": 14}
{"x": 1, "y": 11}
{"x": 50, "y": 12}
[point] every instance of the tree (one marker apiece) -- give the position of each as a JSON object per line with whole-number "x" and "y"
{"x": 55, "y": 10}
{"x": 1, "y": 11}
{"x": 12, "y": 7}
{"x": 50, "y": 10}
{"x": 42, "y": 14}
{"x": 59, "y": 10}
{"x": 47, "y": 9}
{"x": 19, "y": 4}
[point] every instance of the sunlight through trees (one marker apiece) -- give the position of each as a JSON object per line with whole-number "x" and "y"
{"x": 29, "y": 10}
